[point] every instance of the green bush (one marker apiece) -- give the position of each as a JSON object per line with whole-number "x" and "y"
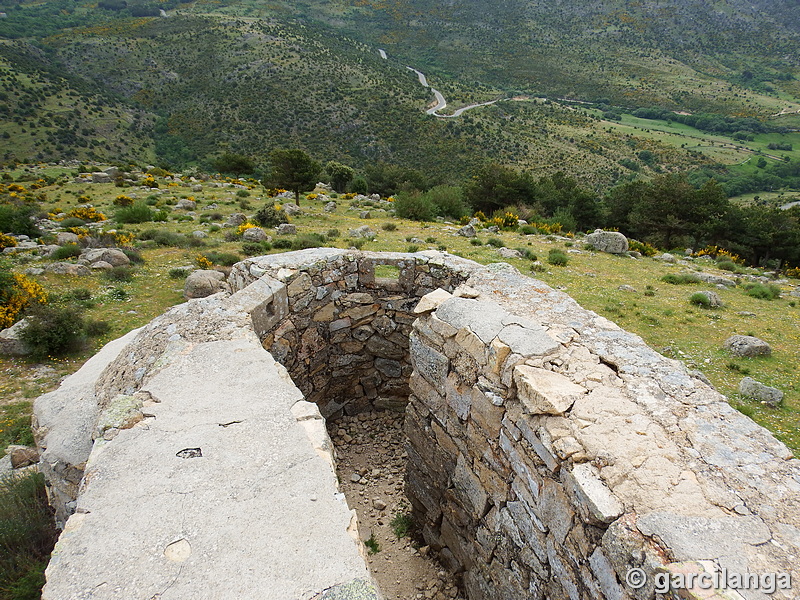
{"x": 27, "y": 535}
{"x": 119, "y": 273}
{"x": 308, "y": 240}
{"x": 763, "y": 292}
{"x": 415, "y": 206}
{"x": 727, "y": 265}
{"x": 251, "y": 248}
{"x": 17, "y": 219}
{"x": 332, "y": 234}
{"x": 226, "y": 259}
{"x": 133, "y": 255}
{"x": 119, "y": 294}
{"x": 644, "y": 249}
{"x": 282, "y": 243}
{"x": 53, "y": 330}
{"x": 162, "y": 237}
{"x": 389, "y": 226}
{"x": 680, "y": 278}
{"x": 412, "y": 248}
{"x": 476, "y": 242}
{"x": 527, "y": 253}
{"x": 495, "y": 242}
{"x": 66, "y": 251}
{"x": 96, "y": 328}
{"x": 269, "y": 216}
{"x": 700, "y": 299}
{"x": 448, "y": 201}
{"x": 557, "y": 258}
{"x": 72, "y": 222}
{"x": 179, "y": 272}
{"x": 401, "y": 524}
{"x": 138, "y": 212}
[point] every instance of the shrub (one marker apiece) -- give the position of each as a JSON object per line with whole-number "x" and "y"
{"x": 727, "y": 265}
{"x": 358, "y": 244}
{"x": 269, "y": 216}
{"x": 123, "y": 200}
{"x": 537, "y": 267}
{"x": 700, "y": 299}
{"x": 680, "y": 278}
{"x": 763, "y": 292}
{"x": 389, "y": 227}
{"x": 119, "y": 294}
{"x": 87, "y": 213}
{"x": 332, "y": 234}
{"x": 476, "y": 242}
{"x": 401, "y": 524}
{"x": 6, "y": 241}
{"x": 17, "y": 219}
{"x": 448, "y": 201}
{"x": 226, "y": 259}
{"x": 17, "y": 293}
{"x": 133, "y": 255}
{"x": 66, "y": 251}
{"x": 162, "y": 237}
{"x": 27, "y": 535}
{"x": 642, "y": 248}
{"x": 138, "y": 212}
{"x": 412, "y": 248}
{"x": 308, "y": 240}
{"x": 96, "y": 328}
{"x": 119, "y": 273}
{"x": 414, "y": 206}
{"x": 282, "y": 243}
{"x": 557, "y": 258}
{"x": 527, "y": 253}
{"x": 495, "y": 242}
{"x": 179, "y": 272}
{"x": 53, "y": 330}
{"x": 373, "y": 547}
{"x": 251, "y": 248}
{"x": 70, "y": 222}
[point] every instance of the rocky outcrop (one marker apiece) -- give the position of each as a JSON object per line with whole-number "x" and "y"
{"x": 612, "y": 242}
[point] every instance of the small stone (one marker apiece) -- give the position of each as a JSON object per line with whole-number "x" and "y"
{"x": 378, "y": 504}
{"x": 355, "y": 477}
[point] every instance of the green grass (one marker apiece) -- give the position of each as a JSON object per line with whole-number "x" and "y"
{"x": 401, "y": 524}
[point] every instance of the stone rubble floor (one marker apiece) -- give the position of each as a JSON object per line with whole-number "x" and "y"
{"x": 370, "y": 460}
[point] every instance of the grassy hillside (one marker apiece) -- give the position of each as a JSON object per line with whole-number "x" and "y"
{"x": 658, "y": 311}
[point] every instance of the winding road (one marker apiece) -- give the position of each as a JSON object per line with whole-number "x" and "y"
{"x": 441, "y": 103}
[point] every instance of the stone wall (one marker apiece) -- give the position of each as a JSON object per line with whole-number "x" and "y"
{"x": 344, "y": 332}
{"x": 549, "y": 451}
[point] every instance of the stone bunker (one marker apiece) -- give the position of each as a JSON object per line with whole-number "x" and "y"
{"x": 549, "y": 451}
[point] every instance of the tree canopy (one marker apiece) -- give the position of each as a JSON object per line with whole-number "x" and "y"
{"x": 294, "y": 170}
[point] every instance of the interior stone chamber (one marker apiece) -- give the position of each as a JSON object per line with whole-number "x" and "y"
{"x": 549, "y": 451}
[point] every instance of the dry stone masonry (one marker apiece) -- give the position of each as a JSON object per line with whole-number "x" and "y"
{"x": 549, "y": 451}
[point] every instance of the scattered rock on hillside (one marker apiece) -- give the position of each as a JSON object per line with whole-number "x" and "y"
{"x": 291, "y": 209}
{"x": 199, "y": 234}
{"x": 666, "y": 257}
{"x": 362, "y": 232}
{"x": 22, "y": 456}
{"x": 795, "y": 292}
{"x": 254, "y": 234}
{"x": 364, "y": 214}
{"x": 626, "y": 288}
{"x": 286, "y": 229}
{"x": 11, "y": 343}
{"x": 65, "y": 268}
{"x": 747, "y": 345}
{"x": 65, "y": 237}
{"x": 714, "y": 301}
{"x": 102, "y": 265}
{"x": 202, "y": 283}
{"x": 467, "y": 231}
{"x": 330, "y": 206}
{"x": 186, "y": 204}
{"x": 612, "y": 242}
{"x": 750, "y": 388}
{"x": 113, "y": 256}
{"x": 235, "y": 220}
{"x": 509, "y": 253}
{"x": 714, "y": 279}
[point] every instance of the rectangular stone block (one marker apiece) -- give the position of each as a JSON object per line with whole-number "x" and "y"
{"x": 469, "y": 487}
{"x": 432, "y": 365}
{"x": 596, "y": 503}
{"x": 545, "y": 392}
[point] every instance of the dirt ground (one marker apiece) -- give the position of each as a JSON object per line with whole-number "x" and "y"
{"x": 370, "y": 463}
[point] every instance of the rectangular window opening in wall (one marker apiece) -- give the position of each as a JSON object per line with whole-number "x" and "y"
{"x": 387, "y": 274}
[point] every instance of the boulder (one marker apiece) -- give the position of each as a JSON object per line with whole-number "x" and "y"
{"x": 509, "y": 253}
{"x": 101, "y": 177}
{"x": 199, "y": 234}
{"x": 10, "y": 340}
{"x": 750, "y": 388}
{"x": 113, "y": 256}
{"x": 467, "y": 231}
{"x": 666, "y": 257}
{"x": 186, "y": 204}
{"x": 330, "y": 206}
{"x": 65, "y": 237}
{"x": 714, "y": 279}
{"x": 102, "y": 265}
{"x": 364, "y": 214}
{"x": 795, "y": 292}
{"x": 362, "y": 232}
{"x": 235, "y": 220}
{"x": 65, "y": 268}
{"x": 291, "y": 209}
{"x": 254, "y": 234}
{"x": 286, "y": 229}
{"x": 626, "y": 288}
{"x": 612, "y": 242}
{"x": 747, "y": 345}
{"x": 22, "y": 456}
{"x": 202, "y": 283}
{"x": 714, "y": 301}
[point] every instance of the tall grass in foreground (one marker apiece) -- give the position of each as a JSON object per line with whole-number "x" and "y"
{"x": 27, "y": 536}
